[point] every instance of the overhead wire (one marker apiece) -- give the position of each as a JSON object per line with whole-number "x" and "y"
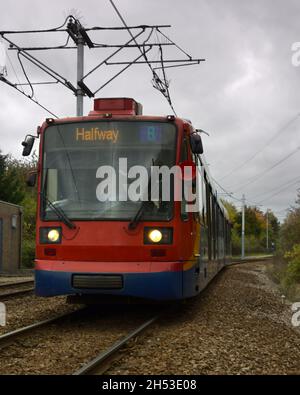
{"x": 278, "y": 133}
{"x": 177, "y": 46}
{"x": 55, "y": 29}
{"x": 12, "y": 66}
{"x": 161, "y": 83}
{"x": 230, "y": 194}
{"x": 278, "y": 192}
{"x": 25, "y": 74}
{"x": 295, "y": 179}
{"x": 3, "y": 79}
{"x": 156, "y": 78}
{"x": 240, "y": 200}
{"x": 259, "y": 176}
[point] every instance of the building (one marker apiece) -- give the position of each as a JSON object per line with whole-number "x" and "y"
{"x": 10, "y": 237}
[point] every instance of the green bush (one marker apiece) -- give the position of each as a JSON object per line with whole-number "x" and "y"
{"x": 293, "y": 269}
{"x": 236, "y": 242}
{"x": 28, "y": 253}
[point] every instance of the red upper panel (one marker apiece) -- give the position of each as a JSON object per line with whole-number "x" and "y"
{"x": 116, "y": 106}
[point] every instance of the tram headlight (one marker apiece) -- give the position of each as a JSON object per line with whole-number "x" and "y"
{"x": 53, "y": 235}
{"x": 50, "y": 235}
{"x": 155, "y": 235}
{"x": 158, "y": 235}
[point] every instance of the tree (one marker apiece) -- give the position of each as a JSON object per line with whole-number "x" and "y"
{"x": 12, "y": 189}
{"x": 273, "y": 227}
{"x": 231, "y": 210}
{"x": 255, "y": 228}
{"x": 290, "y": 229}
{"x": 254, "y": 221}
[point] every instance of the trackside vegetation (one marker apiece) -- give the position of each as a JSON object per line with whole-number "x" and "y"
{"x": 286, "y": 268}
{"x": 258, "y": 227}
{"x": 13, "y": 189}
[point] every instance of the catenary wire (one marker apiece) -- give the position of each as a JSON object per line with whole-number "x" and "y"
{"x": 28, "y": 97}
{"x": 243, "y": 164}
{"x": 155, "y": 76}
{"x": 257, "y": 177}
{"x": 278, "y": 192}
{"x": 281, "y": 186}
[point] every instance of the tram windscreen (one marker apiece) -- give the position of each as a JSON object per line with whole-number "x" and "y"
{"x": 86, "y": 168}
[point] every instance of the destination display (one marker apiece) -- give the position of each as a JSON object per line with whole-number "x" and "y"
{"x": 110, "y": 133}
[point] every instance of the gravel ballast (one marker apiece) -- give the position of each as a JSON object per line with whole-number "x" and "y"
{"x": 64, "y": 346}
{"x": 27, "y": 309}
{"x": 239, "y": 325}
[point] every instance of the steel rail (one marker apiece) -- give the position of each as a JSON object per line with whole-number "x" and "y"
{"x": 21, "y": 288}
{"x": 249, "y": 260}
{"x": 97, "y": 363}
{"x": 16, "y": 292}
{"x": 8, "y": 338}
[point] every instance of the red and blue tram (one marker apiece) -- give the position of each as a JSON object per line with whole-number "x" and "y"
{"x": 128, "y": 249}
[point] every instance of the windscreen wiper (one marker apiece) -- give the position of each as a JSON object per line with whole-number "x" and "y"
{"x": 136, "y": 219}
{"x": 59, "y": 212}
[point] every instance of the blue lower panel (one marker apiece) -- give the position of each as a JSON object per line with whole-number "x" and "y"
{"x": 158, "y": 286}
{"x": 189, "y": 283}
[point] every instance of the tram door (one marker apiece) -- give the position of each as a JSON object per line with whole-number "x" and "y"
{"x": 202, "y": 235}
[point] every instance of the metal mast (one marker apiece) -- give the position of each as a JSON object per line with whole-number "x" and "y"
{"x": 80, "y": 74}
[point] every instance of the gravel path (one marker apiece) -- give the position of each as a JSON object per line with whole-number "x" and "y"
{"x": 239, "y": 325}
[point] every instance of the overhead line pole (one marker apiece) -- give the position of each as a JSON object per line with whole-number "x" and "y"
{"x": 80, "y": 73}
{"x": 79, "y": 35}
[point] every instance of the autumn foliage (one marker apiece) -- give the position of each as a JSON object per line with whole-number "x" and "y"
{"x": 255, "y": 229}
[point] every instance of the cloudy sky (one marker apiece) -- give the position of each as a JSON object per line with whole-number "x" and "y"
{"x": 246, "y": 94}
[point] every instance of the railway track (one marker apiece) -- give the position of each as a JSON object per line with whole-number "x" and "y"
{"x": 249, "y": 260}
{"x": 102, "y": 362}
{"x": 84, "y": 332}
{"x": 10, "y": 337}
{"x": 16, "y": 288}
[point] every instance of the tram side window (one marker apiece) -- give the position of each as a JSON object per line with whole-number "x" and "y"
{"x": 221, "y": 234}
{"x": 209, "y": 217}
{"x": 183, "y": 157}
{"x": 214, "y": 226}
{"x": 218, "y": 231}
{"x": 204, "y": 200}
{"x": 226, "y": 239}
{"x": 229, "y": 238}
